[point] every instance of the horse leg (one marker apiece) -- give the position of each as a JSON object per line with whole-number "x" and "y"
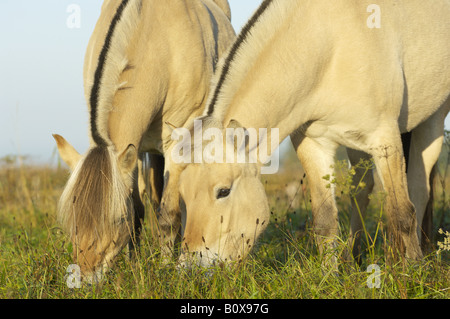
{"x": 361, "y": 200}
{"x": 139, "y": 214}
{"x": 151, "y": 177}
{"x": 169, "y": 219}
{"x": 317, "y": 161}
{"x": 155, "y": 189}
{"x": 427, "y": 220}
{"x": 426, "y": 145}
{"x": 151, "y": 183}
{"x": 142, "y": 175}
{"x": 156, "y": 179}
{"x": 390, "y": 163}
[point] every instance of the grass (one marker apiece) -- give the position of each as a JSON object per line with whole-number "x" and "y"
{"x": 34, "y": 253}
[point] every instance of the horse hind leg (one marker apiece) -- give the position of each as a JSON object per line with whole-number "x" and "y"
{"x": 427, "y": 220}
{"x": 426, "y": 145}
{"x": 363, "y": 174}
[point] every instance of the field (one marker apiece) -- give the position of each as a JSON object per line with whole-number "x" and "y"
{"x": 35, "y": 253}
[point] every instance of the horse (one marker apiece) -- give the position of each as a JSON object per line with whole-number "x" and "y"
{"x": 326, "y": 75}
{"x": 147, "y": 63}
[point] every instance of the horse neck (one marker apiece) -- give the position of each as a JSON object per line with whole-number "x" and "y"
{"x": 271, "y": 81}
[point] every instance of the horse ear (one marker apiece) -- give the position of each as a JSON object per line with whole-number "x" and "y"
{"x": 128, "y": 159}
{"x": 170, "y": 126}
{"x": 242, "y": 138}
{"x": 238, "y": 131}
{"x": 67, "y": 152}
{"x": 234, "y": 124}
{"x": 177, "y": 133}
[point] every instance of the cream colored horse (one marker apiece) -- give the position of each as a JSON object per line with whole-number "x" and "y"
{"x": 327, "y": 73}
{"x": 147, "y": 62}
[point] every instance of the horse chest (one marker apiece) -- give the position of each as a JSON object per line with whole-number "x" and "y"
{"x": 332, "y": 135}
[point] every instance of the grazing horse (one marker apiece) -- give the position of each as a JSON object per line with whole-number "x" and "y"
{"x": 325, "y": 74}
{"x": 147, "y": 63}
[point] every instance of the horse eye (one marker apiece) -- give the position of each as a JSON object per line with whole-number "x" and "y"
{"x": 223, "y": 192}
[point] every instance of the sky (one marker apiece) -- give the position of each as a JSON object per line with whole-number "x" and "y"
{"x": 41, "y": 63}
{"x": 41, "y": 72}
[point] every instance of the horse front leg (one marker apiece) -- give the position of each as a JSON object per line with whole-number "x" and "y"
{"x": 390, "y": 163}
{"x": 318, "y": 160}
{"x": 138, "y": 219}
{"x": 169, "y": 218}
{"x": 151, "y": 184}
{"x": 151, "y": 178}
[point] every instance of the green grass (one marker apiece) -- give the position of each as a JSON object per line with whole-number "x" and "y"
{"x": 34, "y": 253}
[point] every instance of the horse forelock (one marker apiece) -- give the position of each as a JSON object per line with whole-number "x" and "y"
{"x": 95, "y": 201}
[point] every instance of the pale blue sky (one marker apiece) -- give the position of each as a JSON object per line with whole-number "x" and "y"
{"x": 41, "y": 63}
{"x": 41, "y": 84}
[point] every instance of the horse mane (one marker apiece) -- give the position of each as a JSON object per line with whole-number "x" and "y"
{"x": 242, "y": 56}
{"x": 94, "y": 201}
{"x": 112, "y": 62}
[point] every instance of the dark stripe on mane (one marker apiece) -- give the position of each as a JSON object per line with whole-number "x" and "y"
{"x": 98, "y": 139}
{"x": 237, "y": 44}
